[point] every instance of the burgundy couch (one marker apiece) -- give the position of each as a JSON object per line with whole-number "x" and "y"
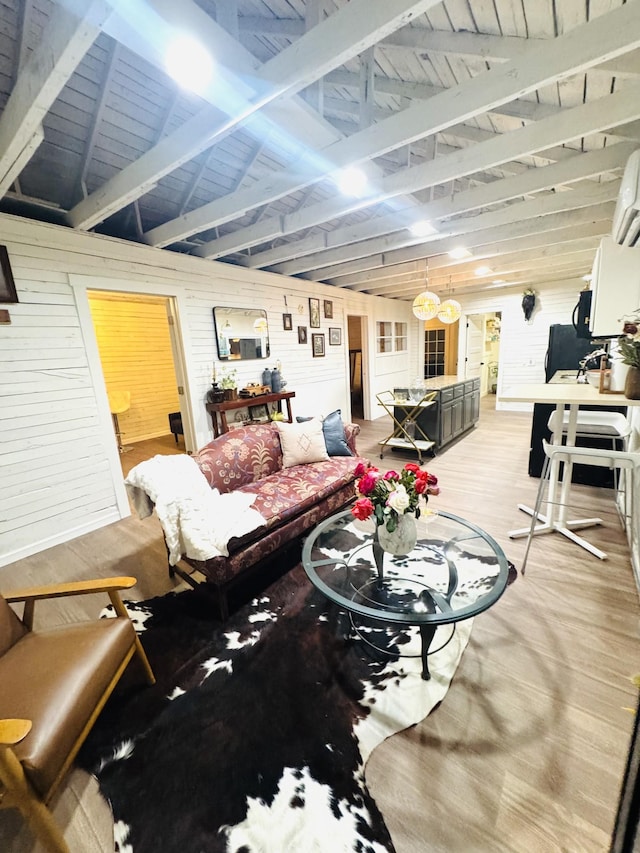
{"x": 292, "y": 500}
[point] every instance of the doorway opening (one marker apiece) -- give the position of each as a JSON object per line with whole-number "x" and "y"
{"x": 137, "y": 355}
{"x": 356, "y": 370}
{"x": 482, "y": 356}
{"x": 440, "y": 348}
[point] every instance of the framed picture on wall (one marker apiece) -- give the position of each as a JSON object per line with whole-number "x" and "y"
{"x": 335, "y": 337}
{"x": 287, "y": 322}
{"x": 7, "y": 285}
{"x": 317, "y": 345}
{"x": 302, "y": 334}
{"x": 328, "y": 309}
{"x": 314, "y": 313}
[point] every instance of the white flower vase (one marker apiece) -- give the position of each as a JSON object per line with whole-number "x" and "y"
{"x": 403, "y": 539}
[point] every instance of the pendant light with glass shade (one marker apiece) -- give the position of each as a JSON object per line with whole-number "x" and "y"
{"x": 449, "y": 310}
{"x": 426, "y": 304}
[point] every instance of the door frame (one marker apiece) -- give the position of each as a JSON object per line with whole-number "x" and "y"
{"x": 80, "y": 285}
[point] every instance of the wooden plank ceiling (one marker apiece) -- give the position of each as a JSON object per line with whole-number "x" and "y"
{"x": 504, "y": 124}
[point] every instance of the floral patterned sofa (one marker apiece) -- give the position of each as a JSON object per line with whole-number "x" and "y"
{"x": 292, "y": 500}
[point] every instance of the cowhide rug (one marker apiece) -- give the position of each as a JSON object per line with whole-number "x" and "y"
{"x": 257, "y": 733}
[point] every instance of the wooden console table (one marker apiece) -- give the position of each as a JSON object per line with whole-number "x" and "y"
{"x": 218, "y": 411}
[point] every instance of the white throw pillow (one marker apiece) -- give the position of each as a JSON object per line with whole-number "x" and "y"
{"x": 302, "y": 443}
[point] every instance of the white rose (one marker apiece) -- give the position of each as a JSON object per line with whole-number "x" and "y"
{"x": 398, "y": 499}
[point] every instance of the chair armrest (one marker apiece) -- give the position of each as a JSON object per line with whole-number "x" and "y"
{"x": 60, "y": 590}
{"x": 13, "y": 731}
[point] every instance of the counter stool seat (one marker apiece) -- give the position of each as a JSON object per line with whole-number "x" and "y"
{"x": 612, "y": 425}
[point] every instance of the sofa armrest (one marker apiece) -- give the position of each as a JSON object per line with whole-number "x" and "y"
{"x": 350, "y": 433}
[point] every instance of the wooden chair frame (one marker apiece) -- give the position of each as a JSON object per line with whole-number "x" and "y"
{"x": 15, "y": 789}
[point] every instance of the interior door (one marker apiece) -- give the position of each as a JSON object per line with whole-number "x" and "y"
{"x": 474, "y": 346}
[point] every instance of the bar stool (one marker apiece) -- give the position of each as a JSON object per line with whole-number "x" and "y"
{"x": 611, "y": 425}
{"x": 601, "y": 457}
{"x": 119, "y": 403}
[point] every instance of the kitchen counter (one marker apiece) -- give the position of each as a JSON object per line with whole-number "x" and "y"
{"x": 456, "y": 409}
{"x": 567, "y": 377}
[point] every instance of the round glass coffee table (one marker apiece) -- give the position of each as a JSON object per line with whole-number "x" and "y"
{"x": 455, "y": 571}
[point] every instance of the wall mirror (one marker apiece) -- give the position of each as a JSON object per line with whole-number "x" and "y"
{"x": 241, "y": 333}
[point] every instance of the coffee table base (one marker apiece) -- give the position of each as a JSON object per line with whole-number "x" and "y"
{"x": 427, "y": 633}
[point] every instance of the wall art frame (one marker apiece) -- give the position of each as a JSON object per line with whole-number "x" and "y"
{"x": 8, "y": 293}
{"x": 328, "y": 309}
{"x": 317, "y": 345}
{"x": 302, "y": 335}
{"x": 314, "y": 312}
{"x": 335, "y": 337}
{"x": 287, "y": 322}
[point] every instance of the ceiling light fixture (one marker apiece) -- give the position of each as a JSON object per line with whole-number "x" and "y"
{"x": 450, "y": 310}
{"x": 351, "y": 181}
{"x": 425, "y": 305}
{"x": 459, "y": 253}
{"x": 189, "y": 63}
{"x": 483, "y": 270}
{"x": 422, "y": 228}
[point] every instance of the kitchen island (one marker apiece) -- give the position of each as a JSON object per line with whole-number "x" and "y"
{"x": 455, "y": 409}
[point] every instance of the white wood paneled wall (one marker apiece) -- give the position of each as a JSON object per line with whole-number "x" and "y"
{"x": 523, "y": 344}
{"x": 59, "y": 466}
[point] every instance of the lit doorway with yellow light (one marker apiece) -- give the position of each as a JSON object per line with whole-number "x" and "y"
{"x": 440, "y": 348}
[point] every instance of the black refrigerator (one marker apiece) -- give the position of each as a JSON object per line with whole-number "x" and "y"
{"x": 564, "y": 353}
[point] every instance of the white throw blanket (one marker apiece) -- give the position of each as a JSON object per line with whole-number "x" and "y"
{"x": 197, "y": 520}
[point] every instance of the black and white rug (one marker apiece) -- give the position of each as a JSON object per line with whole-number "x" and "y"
{"x": 257, "y": 733}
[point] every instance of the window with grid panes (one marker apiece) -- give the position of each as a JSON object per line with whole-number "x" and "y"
{"x": 384, "y": 338}
{"x": 434, "y": 345}
{"x": 400, "y": 339}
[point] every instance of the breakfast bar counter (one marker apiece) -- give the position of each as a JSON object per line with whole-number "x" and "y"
{"x": 572, "y": 395}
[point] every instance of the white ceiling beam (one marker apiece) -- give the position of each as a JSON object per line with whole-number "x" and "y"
{"x": 492, "y": 229}
{"x": 343, "y": 35}
{"x": 571, "y": 124}
{"x": 70, "y": 32}
{"x": 577, "y": 167}
{"x": 483, "y": 252}
{"x": 415, "y": 38}
{"x": 579, "y": 121}
{"x": 551, "y": 270}
{"x": 611, "y": 34}
{"x": 520, "y": 109}
{"x": 580, "y": 252}
{"x": 19, "y": 164}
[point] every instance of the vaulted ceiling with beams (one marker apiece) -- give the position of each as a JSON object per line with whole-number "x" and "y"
{"x": 503, "y": 124}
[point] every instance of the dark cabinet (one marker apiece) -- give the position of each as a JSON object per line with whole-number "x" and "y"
{"x": 457, "y": 409}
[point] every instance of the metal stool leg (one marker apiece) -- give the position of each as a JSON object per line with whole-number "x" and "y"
{"x": 116, "y": 427}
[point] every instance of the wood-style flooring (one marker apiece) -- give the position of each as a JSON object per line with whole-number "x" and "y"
{"x": 526, "y": 752}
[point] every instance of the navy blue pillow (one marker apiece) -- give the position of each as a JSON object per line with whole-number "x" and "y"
{"x": 333, "y": 431}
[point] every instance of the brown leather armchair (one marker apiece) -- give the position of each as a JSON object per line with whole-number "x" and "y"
{"x": 54, "y": 683}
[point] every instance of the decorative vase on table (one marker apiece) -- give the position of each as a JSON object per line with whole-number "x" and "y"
{"x": 391, "y": 499}
{"x": 215, "y": 394}
{"x": 632, "y": 384}
{"x": 402, "y": 540}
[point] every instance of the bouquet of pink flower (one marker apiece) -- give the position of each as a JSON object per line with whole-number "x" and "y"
{"x": 387, "y": 496}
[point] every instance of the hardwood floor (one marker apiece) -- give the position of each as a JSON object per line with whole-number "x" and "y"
{"x": 527, "y": 750}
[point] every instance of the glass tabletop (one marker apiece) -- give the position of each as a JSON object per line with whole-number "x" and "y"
{"x": 455, "y": 570}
